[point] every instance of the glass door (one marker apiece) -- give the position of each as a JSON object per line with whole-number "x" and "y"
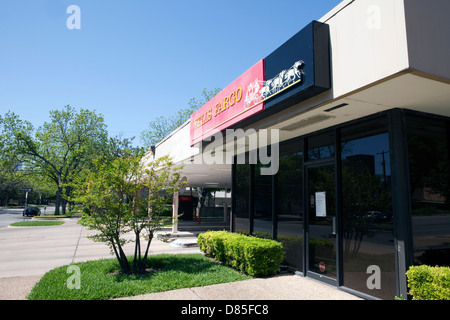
{"x": 322, "y": 223}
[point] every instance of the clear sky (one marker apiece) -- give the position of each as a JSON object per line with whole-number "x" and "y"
{"x": 135, "y": 60}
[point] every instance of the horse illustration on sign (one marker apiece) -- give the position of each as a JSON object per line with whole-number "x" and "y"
{"x": 258, "y": 91}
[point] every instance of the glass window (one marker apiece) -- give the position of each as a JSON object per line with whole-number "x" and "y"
{"x": 262, "y": 218}
{"x": 321, "y": 146}
{"x": 241, "y": 194}
{"x": 290, "y": 203}
{"x": 367, "y": 221}
{"x": 428, "y": 153}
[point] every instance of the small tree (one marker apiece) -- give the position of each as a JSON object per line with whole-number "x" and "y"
{"x": 125, "y": 195}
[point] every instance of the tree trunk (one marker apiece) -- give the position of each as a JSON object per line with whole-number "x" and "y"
{"x": 137, "y": 253}
{"x": 58, "y": 200}
{"x": 65, "y": 202}
{"x": 123, "y": 261}
{"x": 144, "y": 260}
{"x": 122, "y": 267}
{"x": 63, "y": 206}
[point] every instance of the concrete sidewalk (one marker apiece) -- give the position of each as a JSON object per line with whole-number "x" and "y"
{"x": 27, "y": 253}
{"x": 281, "y": 287}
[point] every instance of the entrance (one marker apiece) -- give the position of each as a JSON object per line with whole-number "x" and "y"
{"x": 321, "y": 221}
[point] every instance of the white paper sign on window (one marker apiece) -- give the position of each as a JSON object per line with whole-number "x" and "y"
{"x": 321, "y": 204}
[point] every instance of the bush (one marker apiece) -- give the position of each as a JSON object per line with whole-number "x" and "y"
{"x": 429, "y": 283}
{"x": 254, "y": 256}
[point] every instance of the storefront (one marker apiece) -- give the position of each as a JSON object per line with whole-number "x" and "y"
{"x": 357, "y": 107}
{"x": 346, "y": 207}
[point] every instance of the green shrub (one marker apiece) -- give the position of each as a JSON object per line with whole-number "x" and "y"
{"x": 254, "y": 256}
{"x": 429, "y": 283}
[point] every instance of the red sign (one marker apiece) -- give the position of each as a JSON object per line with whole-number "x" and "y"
{"x": 239, "y": 100}
{"x": 322, "y": 267}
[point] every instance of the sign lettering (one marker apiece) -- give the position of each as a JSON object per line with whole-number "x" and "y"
{"x": 238, "y": 101}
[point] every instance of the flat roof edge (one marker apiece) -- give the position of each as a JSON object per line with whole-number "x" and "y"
{"x": 335, "y": 10}
{"x": 174, "y": 132}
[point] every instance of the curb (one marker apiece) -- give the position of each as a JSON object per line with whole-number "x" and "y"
{"x": 180, "y": 239}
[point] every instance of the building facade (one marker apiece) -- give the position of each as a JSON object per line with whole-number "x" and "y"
{"x": 352, "y": 117}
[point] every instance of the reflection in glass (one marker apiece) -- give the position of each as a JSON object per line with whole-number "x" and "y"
{"x": 428, "y": 152}
{"x": 262, "y": 219}
{"x": 290, "y": 204}
{"x": 241, "y": 194}
{"x": 321, "y": 146}
{"x": 368, "y": 239}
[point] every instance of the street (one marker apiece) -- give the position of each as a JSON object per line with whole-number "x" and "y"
{"x": 8, "y": 216}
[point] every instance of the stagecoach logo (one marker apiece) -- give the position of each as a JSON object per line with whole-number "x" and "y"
{"x": 259, "y": 91}
{"x": 241, "y": 99}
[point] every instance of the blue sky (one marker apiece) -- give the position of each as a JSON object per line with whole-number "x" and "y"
{"x": 133, "y": 61}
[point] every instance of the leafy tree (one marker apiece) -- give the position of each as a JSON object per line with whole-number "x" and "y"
{"x": 15, "y": 174}
{"x": 10, "y": 181}
{"x": 60, "y": 148}
{"x": 162, "y": 126}
{"x": 43, "y": 188}
{"x": 363, "y": 192}
{"x": 126, "y": 194}
{"x": 10, "y": 161}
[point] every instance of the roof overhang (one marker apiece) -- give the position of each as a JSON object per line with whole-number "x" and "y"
{"x": 408, "y": 89}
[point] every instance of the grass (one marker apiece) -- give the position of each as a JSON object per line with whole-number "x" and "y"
{"x": 100, "y": 279}
{"x": 36, "y": 223}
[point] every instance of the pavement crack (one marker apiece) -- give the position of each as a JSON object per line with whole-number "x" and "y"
{"x": 76, "y": 248}
{"x": 196, "y": 294}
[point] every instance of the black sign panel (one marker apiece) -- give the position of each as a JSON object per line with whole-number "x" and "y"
{"x": 300, "y": 67}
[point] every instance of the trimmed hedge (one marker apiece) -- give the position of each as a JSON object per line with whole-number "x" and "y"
{"x": 429, "y": 283}
{"x": 254, "y": 256}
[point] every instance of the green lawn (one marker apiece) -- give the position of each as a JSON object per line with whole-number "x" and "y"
{"x": 101, "y": 280}
{"x": 36, "y": 223}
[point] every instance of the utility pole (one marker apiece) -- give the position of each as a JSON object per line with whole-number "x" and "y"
{"x": 26, "y": 190}
{"x": 383, "y": 163}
